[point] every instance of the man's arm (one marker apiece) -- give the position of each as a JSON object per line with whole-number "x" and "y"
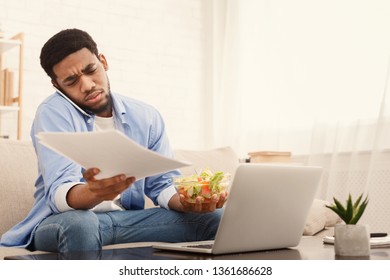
{"x": 87, "y": 196}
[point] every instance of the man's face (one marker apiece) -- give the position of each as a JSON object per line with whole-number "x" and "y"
{"x": 82, "y": 77}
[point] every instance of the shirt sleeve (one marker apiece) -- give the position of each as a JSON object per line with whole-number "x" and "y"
{"x": 60, "y": 196}
{"x": 54, "y": 169}
{"x": 165, "y": 195}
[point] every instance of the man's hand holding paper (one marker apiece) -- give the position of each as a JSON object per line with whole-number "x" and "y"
{"x": 87, "y": 196}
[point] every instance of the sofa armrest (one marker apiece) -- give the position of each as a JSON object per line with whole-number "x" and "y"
{"x": 320, "y": 218}
{"x": 17, "y": 176}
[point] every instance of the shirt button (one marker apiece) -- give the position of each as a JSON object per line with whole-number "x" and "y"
{"x": 89, "y": 121}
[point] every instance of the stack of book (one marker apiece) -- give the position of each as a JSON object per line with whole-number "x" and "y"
{"x": 269, "y": 156}
{"x": 6, "y": 87}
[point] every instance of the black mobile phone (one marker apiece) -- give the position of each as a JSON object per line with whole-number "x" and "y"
{"x": 378, "y": 234}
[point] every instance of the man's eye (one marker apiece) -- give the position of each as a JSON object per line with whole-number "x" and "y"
{"x": 90, "y": 71}
{"x": 71, "y": 82}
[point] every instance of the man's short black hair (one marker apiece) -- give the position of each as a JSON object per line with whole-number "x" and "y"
{"x": 63, "y": 44}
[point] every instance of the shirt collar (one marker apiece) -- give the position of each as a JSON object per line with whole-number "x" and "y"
{"x": 118, "y": 105}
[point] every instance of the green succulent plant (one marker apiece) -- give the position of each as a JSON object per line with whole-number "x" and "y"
{"x": 351, "y": 212}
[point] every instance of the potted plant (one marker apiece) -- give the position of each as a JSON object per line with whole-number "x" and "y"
{"x": 351, "y": 239}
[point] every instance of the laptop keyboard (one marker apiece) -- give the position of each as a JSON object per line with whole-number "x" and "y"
{"x": 204, "y": 246}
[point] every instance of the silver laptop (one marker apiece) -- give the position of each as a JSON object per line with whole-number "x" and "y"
{"x": 267, "y": 209}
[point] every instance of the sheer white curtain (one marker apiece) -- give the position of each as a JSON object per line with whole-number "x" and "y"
{"x": 309, "y": 76}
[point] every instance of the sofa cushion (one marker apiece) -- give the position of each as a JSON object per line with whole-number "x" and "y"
{"x": 17, "y": 176}
{"x": 319, "y": 218}
{"x": 219, "y": 159}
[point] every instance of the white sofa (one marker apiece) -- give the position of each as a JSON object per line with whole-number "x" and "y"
{"x": 19, "y": 170}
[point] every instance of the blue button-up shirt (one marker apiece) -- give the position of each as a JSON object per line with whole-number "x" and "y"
{"x": 137, "y": 120}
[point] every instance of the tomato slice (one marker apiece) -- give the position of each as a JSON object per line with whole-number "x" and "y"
{"x": 205, "y": 189}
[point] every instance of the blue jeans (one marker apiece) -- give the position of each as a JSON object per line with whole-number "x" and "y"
{"x": 82, "y": 230}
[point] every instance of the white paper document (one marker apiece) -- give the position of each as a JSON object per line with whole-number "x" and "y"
{"x": 375, "y": 242}
{"x": 110, "y": 151}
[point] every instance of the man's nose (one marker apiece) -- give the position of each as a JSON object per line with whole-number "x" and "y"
{"x": 87, "y": 83}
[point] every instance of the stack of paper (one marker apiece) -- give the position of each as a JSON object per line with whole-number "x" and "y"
{"x": 375, "y": 242}
{"x": 110, "y": 151}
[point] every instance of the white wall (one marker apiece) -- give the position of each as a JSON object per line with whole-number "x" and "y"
{"x": 155, "y": 50}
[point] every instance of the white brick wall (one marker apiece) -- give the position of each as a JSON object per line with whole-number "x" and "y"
{"x": 155, "y": 50}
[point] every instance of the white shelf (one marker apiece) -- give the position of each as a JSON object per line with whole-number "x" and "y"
{"x": 9, "y": 108}
{"x": 7, "y": 44}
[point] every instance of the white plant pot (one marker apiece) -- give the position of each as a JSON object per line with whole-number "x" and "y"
{"x": 352, "y": 240}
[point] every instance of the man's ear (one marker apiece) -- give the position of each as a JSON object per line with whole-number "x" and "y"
{"x": 103, "y": 60}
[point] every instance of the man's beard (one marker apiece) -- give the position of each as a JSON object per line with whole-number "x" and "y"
{"x": 104, "y": 108}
